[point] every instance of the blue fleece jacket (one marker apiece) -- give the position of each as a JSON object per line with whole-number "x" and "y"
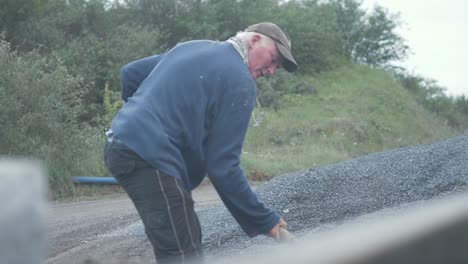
{"x": 187, "y": 114}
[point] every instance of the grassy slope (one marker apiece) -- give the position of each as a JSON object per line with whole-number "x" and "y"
{"x": 355, "y": 110}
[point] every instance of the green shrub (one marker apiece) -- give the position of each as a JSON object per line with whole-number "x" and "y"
{"x": 432, "y": 96}
{"x": 112, "y": 103}
{"x": 40, "y": 104}
{"x": 271, "y": 90}
{"x": 99, "y": 59}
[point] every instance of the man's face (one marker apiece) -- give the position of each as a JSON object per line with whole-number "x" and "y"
{"x": 264, "y": 56}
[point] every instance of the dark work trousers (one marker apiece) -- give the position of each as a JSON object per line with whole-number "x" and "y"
{"x": 164, "y": 205}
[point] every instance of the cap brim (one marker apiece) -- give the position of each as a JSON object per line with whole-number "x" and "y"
{"x": 289, "y": 63}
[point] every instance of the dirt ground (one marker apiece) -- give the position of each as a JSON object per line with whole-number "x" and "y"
{"x": 76, "y": 230}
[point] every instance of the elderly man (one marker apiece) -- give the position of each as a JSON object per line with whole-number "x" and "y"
{"x": 186, "y": 116}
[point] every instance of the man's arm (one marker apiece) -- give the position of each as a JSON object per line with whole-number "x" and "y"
{"x": 223, "y": 164}
{"x": 133, "y": 74}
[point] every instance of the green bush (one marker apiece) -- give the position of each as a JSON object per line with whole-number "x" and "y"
{"x": 112, "y": 103}
{"x": 313, "y": 29}
{"x": 100, "y": 59}
{"x": 432, "y": 96}
{"x": 271, "y": 90}
{"x": 40, "y": 103}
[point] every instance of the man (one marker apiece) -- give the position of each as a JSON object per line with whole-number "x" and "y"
{"x": 185, "y": 116}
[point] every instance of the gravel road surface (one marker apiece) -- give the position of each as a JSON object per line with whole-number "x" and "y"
{"x": 102, "y": 230}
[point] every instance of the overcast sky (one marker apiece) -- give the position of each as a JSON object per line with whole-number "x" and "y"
{"x": 437, "y": 33}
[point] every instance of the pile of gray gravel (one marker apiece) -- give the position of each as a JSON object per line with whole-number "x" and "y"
{"x": 321, "y": 197}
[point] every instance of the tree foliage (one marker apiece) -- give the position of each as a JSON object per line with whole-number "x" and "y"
{"x": 380, "y": 43}
{"x": 432, "y": 96}
{"x": 98, "y": 60}
{"x": 324, "y": 33}
{"x": 14, "y": 12}
{"x": 317, "y": 43}
{"x": 369, "y": 38}
{"x": 40, "y": 105}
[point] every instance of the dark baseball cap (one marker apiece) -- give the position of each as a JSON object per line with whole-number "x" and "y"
{"x": 282, "y": 42}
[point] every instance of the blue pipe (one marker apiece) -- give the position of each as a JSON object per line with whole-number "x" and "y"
{"x": 95, "y": 180}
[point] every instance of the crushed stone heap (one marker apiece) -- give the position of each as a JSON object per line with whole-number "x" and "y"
{"x": 334, "y": 193}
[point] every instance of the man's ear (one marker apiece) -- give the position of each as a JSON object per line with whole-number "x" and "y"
{"x": 253, "y": 40}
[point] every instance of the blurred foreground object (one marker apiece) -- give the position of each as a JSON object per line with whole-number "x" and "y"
{"x": 434, "y": 233}
{"x": 23, "y": 229}
{"x": 285, "y": 236}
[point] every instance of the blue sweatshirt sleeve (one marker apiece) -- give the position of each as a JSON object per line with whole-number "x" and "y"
{"x": 133, "y": 74}
{"x": 223, "y": 161}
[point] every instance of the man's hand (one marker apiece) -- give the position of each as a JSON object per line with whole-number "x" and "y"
{"x": 275, "y": 231}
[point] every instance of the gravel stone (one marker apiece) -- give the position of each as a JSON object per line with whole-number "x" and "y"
{"x": 318, "y": 199}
